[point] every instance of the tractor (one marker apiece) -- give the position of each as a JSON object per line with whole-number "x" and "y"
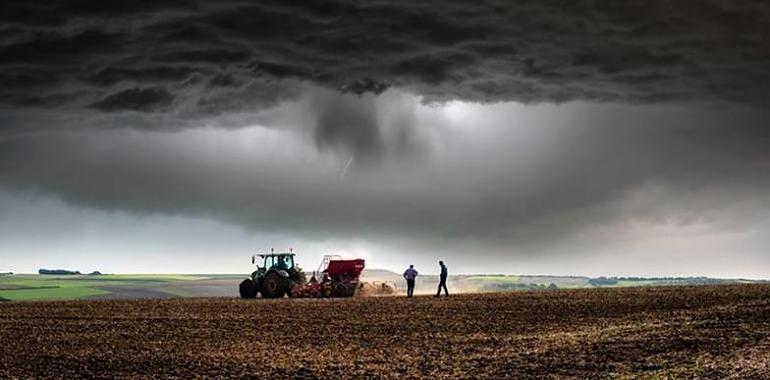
{"x": 278, "y": 276}
{"x": 273, "y": 279}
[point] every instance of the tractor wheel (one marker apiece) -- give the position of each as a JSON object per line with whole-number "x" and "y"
{"x": 248, "y": 289}
{"x": 344, "y": 290}
{"x": 274, "y": 286}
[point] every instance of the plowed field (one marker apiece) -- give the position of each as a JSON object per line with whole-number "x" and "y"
{"x": 675, "y": 332}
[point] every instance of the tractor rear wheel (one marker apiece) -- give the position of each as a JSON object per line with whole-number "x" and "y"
{"x": 274, "y": 286}
{"x": 248, "y": 288}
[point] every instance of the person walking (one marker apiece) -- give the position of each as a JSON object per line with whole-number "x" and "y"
{"x": 442, "y": 280}
{"x": 410, "y": 274}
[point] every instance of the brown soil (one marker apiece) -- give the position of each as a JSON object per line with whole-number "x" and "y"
{"x": 675, "y": 332}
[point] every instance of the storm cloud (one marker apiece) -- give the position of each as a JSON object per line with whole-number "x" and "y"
{"x": 193, "y": 59}
{"x": 503, "y": 175}
{"x": 527, "y": 128}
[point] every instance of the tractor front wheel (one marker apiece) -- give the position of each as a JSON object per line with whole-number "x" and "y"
{"x": 274, "y": 286}
{"x": 248, "y": 288}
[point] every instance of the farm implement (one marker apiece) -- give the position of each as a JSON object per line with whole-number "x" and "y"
{"x": 278, "y": 276}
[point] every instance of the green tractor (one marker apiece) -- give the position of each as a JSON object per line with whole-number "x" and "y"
{"x": 274, "y": 279}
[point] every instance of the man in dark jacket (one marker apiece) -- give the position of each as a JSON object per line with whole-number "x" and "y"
{"x": 442, "y": 281}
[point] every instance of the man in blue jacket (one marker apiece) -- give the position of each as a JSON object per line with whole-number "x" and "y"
{"x": 442, "y": 281}
{"x": 410, "y": 274}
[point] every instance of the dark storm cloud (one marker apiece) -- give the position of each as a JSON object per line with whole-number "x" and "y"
{"x": 338, "y": 84}
{"x": 136, "y": 99}
{"x": 111, "y": 75}
{"x": 527, "y": 51}
{"x": 556, "y": 173}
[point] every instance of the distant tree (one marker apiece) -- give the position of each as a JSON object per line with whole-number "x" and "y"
{"x": 552, "y": 286}
{"x": 58, "y": 272}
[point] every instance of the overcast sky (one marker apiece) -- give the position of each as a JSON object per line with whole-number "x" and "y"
{"x": 593, "y": 138}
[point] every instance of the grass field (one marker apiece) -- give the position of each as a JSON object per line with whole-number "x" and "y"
{"x": 24, "y": 287}
{"x": 561, "y": 282}
{"x": 63, "y": 293}
{"x": 496, "y": 278}
{"x": 703, "y": 332}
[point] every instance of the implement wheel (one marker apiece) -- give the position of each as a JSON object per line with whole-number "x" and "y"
{"x": 248, "y": 288}
{"x": 344, "y": 290}
{"x": 274, "y": 286}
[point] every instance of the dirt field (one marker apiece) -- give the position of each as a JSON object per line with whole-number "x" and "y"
{"x": 699, "y": 332}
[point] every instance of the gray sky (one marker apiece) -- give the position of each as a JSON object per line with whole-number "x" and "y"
{"x": 596, "y": 139}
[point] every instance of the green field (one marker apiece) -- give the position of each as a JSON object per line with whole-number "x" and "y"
{"x": 23, "y": 287}
{"x": 495, "y": 278}
{"x": 61, "y": 293}
{"x": 493, "y": 282}
{"x": 626, "y": 283}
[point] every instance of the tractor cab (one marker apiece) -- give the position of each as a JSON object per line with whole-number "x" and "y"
{"x": 283, "y": 261}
